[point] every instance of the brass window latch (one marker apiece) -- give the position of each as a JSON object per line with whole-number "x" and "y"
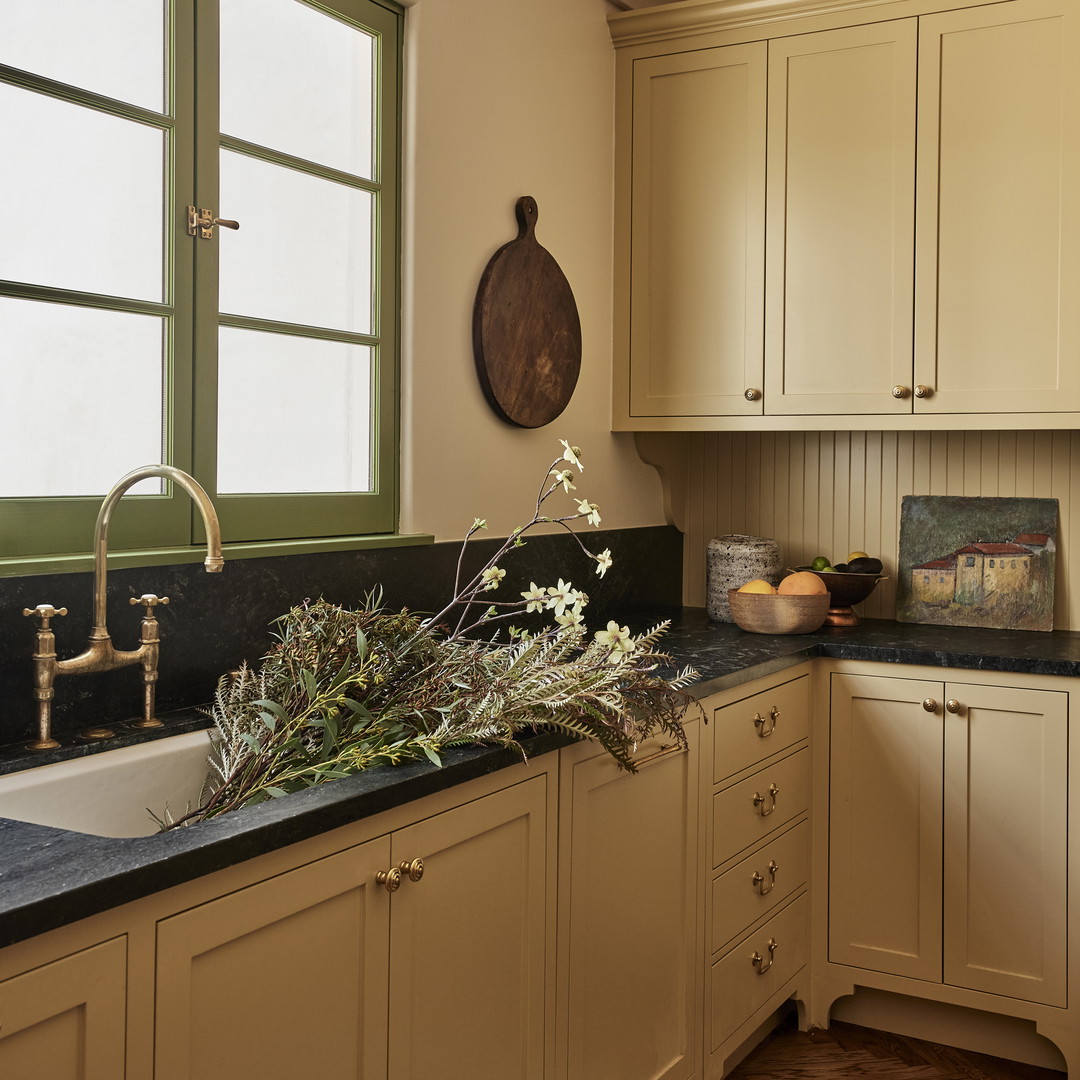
{"x": 202, "y": 222}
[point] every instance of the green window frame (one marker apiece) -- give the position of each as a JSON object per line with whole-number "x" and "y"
{"x": 52, "y": 532}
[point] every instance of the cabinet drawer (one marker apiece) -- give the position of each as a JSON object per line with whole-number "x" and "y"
{"x": 757, "y": 727}
{"x": 744, "y": 980}
{"x": 779, "y": 868}
{"x": 748, "y": 811}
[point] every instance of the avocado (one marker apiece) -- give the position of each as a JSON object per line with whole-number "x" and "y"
{"x": 865, "y": 566}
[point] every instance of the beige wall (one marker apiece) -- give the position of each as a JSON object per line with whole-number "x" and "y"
{"x": 506, "y": 98}
{"x": 832, "y": 492}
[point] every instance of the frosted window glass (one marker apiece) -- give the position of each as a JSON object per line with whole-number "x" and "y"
{"x": 303, "y": 253}
{"x": 293, "y": 414}
{"x": 84, "y": 204}
{"x": 112, "y": 47}
{"x": 83, "y": 398}
{"x": 299, "y": 81}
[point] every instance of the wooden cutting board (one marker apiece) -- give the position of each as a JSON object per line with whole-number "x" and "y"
{"x": 526, "y": 331}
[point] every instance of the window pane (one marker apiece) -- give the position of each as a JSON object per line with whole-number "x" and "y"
{"x": 297, "y": 81}
{"x": 303, "y": 252}
{"x": 85, "y": 200}
{"x": 294, "y": 414}
{"x": 83, "y": 396}
{"x": 112, "y": 47}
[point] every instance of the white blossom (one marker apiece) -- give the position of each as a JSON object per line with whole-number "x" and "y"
{"x": 589, "y": 511}
{"x": 617, "y": 638}
{"x": 564, "y": 477}
{"x": 561, "y": 596}
{"x": 536, "y": 595}
{"x": 573, "y": 455}
{"x": 603, "y": 561}
{"x": 491, "y": 577}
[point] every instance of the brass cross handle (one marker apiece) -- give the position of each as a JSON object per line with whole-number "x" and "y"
{"x": 45, "y": 612}
{"x": 148, "y": 600}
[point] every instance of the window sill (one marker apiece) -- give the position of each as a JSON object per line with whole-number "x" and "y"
{"x": 28, "y": 566}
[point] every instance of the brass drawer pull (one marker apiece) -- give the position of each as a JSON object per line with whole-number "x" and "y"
{"x": 664, "y": 750}
{"x": 766, "y": 803}
{"x": 760, "y": 962}
{"x": 758, "y": 880}
{"x": 759, "y": 722}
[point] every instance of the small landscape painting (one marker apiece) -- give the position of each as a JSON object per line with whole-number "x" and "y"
{"x": 977, "y": 561}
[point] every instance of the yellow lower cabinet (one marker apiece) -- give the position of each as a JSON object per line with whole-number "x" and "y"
{"x": 629, "y": 924}
{"x": 65, "y": 1020}
{"x": 756, "y": 970}
{"x": 471, "y": 941}
{"x": 283, "y": 979}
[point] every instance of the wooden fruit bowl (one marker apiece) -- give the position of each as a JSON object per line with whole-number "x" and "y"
{"x": 772, "y": 613}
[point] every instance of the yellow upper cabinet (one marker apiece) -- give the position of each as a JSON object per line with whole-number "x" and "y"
{"x": 697, "y": 232}
{"x": 998, "y": 267}
{"x": 841, "y": 211}
{"x": 887, "y": 243}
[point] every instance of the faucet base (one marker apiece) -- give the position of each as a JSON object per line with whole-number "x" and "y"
{"x": 42, "y": 744}
{"x": 147, "y": 723}
{"x": 98, "y": 733}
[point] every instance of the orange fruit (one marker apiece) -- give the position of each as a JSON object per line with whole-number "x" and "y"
{"x": 802, "y": 583}
{"x": 758, "y": 586}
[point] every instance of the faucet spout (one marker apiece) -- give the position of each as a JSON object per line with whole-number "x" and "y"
{"x": 213, "y": 561}
{"x": 99, "y": 654}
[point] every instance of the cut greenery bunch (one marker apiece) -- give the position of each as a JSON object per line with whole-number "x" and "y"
{"x": 343, "y": 690}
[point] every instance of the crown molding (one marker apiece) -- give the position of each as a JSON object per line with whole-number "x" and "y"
{"x": 705, "y": 16}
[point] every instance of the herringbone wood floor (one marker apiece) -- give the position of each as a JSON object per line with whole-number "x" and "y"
{"x": 845, "y": 1050}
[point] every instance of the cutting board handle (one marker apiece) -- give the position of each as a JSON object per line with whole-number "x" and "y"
{"x": 527, "y": 213}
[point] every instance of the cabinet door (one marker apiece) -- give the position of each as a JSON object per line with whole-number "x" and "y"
{"x": 629, "y": 916}
{"x": 280, "y": 980}
{"x": 470, "y": 942}
{"x": 840, "y": 247}
{"x": 997, "y": 320}
{"x": 697, "y": 233}
{"x": 1006, "y": 855}
{"x": 66, "y": 1020}
{"x": 885, "y": 807}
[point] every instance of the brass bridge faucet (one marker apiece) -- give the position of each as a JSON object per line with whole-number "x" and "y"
{"x": 100, "y": 655}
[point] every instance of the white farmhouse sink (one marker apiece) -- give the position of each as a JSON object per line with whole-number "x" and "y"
{"x": 114, "y": 792}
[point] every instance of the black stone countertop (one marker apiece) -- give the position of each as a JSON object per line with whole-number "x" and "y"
{"x": 51, "y": 877}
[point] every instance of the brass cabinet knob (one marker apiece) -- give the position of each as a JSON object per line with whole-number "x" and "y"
{"x": 923, "y": 391}
{"x": 413, "y": 870}
{"x": 751, "y": 394}
{"x": 391, "y": 879}
{"x": 929, "y": 704}
{"x": 900, "y": 392}
{"x": 954, "y": 706}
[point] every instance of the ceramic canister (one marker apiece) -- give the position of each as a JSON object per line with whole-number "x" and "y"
{"x": 735, "y": 559}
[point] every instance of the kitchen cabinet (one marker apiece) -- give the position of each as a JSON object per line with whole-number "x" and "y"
{"x": 324, "y": 963}
{"x": 696, "y": 240}
{"x": 630, "y": 914}
{"x": 65, "y": 1019}
{"x": 945, "y": 847}
{"x": 757, "y": 865}
{"x": 921, "y": 229}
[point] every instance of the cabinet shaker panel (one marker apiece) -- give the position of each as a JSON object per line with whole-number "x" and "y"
{"x": 998, "y": 237}
{"x": 697, "y": 232}
{"x": 840, "y": 214}
{"x": 1006, "y": 850}
{"x": 885, "y": 825}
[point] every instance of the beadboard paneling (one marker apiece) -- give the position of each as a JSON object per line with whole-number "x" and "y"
{"x": 833, "y": 492}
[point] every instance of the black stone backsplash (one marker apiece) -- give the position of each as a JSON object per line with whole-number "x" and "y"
{"x": 215, "y": 621}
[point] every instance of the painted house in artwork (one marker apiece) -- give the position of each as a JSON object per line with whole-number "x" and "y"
{"x": 976, "y": 571}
